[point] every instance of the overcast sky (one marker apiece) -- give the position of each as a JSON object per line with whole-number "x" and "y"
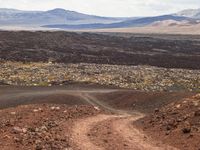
{"x": 120, "y": 8}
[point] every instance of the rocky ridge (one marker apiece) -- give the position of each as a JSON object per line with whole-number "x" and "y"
{"x": 179, "y": 120}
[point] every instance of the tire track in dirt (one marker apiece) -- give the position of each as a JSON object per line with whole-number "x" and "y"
{"x": 21, "y": 97}
{"x": 120, "y": 123}
{"x": 81, "y": 129}
{"x": 130, "y": 138}
{"x": 90, "y": 134}
{"x": 136, "y": 139}
{"x": 89, "y": 98}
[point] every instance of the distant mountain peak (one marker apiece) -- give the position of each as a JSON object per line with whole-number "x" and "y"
{"x": 192, "y": 13}
{"x": 13, "y": 17}
{"x": 61, "y": 11}
{"x": 58, "y": 10}
{"x": 6, "y": 9}
{"x": 9, "y": 10}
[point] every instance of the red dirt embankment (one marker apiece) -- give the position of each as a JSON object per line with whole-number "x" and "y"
{"x": 177, "y": 124}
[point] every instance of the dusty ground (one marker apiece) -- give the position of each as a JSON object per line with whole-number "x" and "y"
{"x": 39, "y": 126}
{"x": 112, "y": 132}
{"x": 89, "y": 123}
{"x": 184, "y": 30}
{"x": 125, "y": 99}
{"x": 144, "y": 102}
{"x": 177, "y": 124}
{"x": 60, "y": 127}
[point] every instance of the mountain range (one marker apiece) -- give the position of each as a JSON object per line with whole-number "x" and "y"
{"x": 55, "y": 16}
{"x": 124, "y": 24}
{"x": 65, "y": 19}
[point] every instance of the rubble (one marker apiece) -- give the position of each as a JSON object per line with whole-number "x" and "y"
{"x": 176, "y": 124}
{"x": 144, "y": 78}
{"x": 45, "y": 130}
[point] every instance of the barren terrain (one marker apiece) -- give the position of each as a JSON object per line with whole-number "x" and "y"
{"x": 123, "y": 49}
{"x": 86, "y": 91}
{"x": 74, "y": 117}
{"x": 160, "y": 29}
{"x": 177, "y": 120}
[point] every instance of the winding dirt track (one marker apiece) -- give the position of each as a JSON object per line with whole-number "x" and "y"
{"x": 119, "y": 124}
{"x": 130, "y": 137}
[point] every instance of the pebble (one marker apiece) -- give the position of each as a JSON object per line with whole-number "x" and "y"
{"x": 186, "y": 130}
{"x": 55, "y": 108}
{"x": 52, "y": 108}
{"x": 35, "y": 110}
{"x": 17, "y": 130}
{"x": 97, "y": 108}
{"x": 13, "y": 113}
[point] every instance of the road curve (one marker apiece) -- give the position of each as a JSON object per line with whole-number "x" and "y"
{"x": 10, "y": 97}
{"x": 119, "y": 122}
{"x": 126, "y": 136}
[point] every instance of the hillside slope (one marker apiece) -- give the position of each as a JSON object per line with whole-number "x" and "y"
{"x": 12, "y": 17}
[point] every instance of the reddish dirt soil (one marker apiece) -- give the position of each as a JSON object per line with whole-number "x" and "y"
{"x": 177, "y": 124}
{"x": 39, "y": 126}
{"x": 112, "y": 132}
{"x": 84, "y": 119}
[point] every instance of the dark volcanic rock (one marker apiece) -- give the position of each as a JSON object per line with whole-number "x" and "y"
{"x": 186, "y": 130}
{"x": 68, "y": 47}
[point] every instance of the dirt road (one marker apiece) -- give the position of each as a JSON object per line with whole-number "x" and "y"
{"x": 112, "y": 130}
{"x": 14, "y": 96}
